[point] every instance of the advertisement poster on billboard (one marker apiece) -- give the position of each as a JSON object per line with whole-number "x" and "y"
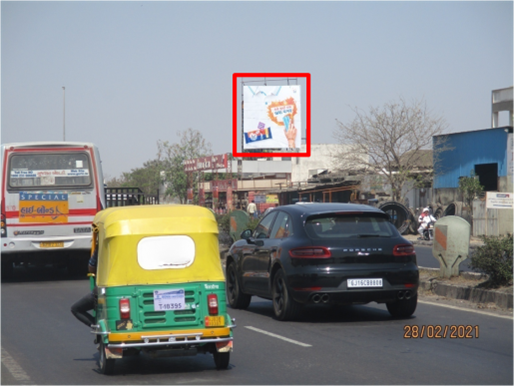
{"x": 272, "y": 117}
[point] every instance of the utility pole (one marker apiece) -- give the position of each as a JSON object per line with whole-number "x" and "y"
{"x": 63, "y": 114}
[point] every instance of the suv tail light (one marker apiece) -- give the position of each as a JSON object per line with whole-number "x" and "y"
{"x": 212, "y": 301}
{"x": 310, "y": 253}
{"x": 404, "y": 250}
{"x": 4, "y": 226}
{"x": 125, "y": 308}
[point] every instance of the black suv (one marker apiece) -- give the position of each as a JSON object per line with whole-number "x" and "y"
{"x": 328, "y": 253}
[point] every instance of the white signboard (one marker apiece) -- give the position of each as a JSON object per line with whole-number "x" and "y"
{"x": 499, "y": 200}
{"x": 272, "y": 117}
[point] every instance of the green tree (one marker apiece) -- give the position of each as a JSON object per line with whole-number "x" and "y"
{"x": 114, "y": 182}
{"x": 172, "y": 157}
{"x": 495, "y": 259}
{"x": 146, "y": 178}
{"x": 470, "y": 188}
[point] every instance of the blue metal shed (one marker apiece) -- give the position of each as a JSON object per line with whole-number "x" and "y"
{"x": 484, "y": 152}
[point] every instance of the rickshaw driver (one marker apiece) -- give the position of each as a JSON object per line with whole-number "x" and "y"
{"x": 87, "y": 303}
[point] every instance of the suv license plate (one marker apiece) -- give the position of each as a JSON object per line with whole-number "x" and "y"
{"x": 47, "y": 244}
{"x": 365, "y": 283}
{"x": 214, "y": 321}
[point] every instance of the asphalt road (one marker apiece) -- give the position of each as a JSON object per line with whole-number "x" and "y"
{"x": 42, "y": 343}
{"x": 426, "y": 259}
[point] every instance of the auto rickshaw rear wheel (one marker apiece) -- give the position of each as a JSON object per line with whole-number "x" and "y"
{"x": 221, "y": 359}
{"x": 106, "y": 365}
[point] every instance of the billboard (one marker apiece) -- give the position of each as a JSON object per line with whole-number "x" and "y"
{"x": 259, "y": 135}
{"x": 272, "y": 117}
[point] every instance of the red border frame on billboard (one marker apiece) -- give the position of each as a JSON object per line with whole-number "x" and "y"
{"x": 306, "y": 75}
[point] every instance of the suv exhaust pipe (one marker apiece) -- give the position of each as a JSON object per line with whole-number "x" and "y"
{"x": 325, "y": 298}
{"x": 401, "y": 295}
{"x": 316, "y": 298}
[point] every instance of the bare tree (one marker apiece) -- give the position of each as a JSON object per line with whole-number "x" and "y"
{"x": 391, "y": 141}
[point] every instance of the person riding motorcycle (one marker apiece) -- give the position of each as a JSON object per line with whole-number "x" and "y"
{"x": 425, "y": 219}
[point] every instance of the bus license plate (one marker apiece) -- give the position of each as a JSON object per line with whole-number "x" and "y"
{"x": 214, "y": 321}
{"x": 48, "y": 244}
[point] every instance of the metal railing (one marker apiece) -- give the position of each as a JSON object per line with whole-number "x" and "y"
{"x": 128, "y": 197}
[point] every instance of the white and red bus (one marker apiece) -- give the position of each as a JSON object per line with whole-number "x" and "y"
{"x": 50, "y": 193}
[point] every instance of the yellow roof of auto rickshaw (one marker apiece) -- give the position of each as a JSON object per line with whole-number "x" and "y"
{"x": 122, "y": 228}
{"x": 156, "y": 220}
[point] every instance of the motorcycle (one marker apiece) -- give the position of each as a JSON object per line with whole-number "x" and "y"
{"x": 428, "y": 232}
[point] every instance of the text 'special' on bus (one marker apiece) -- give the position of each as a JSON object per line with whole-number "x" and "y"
{"x": 51, "y": 192}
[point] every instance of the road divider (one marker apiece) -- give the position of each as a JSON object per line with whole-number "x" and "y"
{"x": 278, "y": 336}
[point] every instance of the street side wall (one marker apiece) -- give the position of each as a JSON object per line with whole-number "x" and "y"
{"x": 491, "y": 222}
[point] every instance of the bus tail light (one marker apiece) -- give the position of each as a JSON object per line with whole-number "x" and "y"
{"x": 125, "y": 308}
{"x": 212, "y": 301}
{"x": 4, "y": 226}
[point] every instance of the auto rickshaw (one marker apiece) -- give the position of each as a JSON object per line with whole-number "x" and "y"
{"x": 160, "y": 284}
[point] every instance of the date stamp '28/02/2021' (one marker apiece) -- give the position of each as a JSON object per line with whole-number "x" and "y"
{"x": 456, "y": 331}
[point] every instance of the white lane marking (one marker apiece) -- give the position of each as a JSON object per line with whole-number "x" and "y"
{"x": 279, "y": 337}
{"x": 465, "y": 309}
{"x": 15, "y": 369}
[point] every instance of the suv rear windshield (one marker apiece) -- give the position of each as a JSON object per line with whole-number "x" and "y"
{"x": 49, "y": 170}
{"x": 332, "y": 226}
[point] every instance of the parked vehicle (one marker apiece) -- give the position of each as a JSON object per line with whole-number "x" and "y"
{"x": 323, "y": 253}
{"x": 50, "y": 193}
{"x": 160, "y": 284}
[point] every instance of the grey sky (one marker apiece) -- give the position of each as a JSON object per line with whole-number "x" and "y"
{"x": 137, "y": 72}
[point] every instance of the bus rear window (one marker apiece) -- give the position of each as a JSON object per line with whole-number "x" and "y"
{"x": 49, "y": 170}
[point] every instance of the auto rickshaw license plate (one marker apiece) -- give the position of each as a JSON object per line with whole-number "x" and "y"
{"x": 169, "y": 300}
{"x": 214, "y": 321}
{"x": 48, "y": 244}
